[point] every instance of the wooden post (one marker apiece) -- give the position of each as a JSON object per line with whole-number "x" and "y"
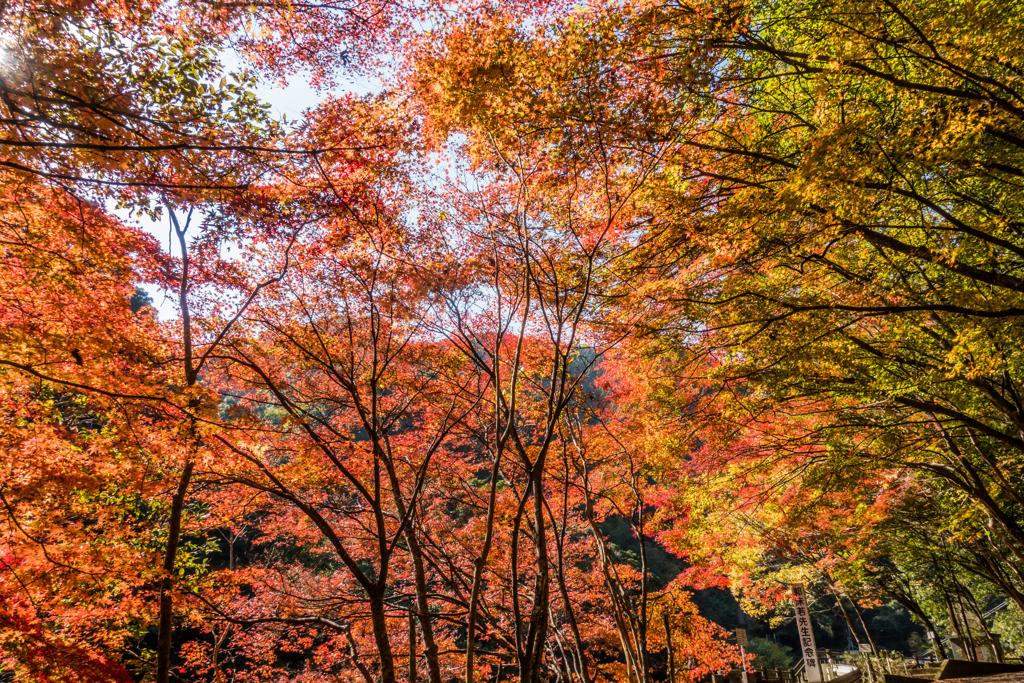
{"x": 741, "y": 640}
{"x": 865, "y": 649}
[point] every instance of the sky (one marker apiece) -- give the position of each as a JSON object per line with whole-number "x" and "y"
{"x": 290, "y": 101}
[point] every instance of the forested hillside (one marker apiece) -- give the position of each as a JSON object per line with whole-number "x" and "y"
{"x": 555, "y": 354}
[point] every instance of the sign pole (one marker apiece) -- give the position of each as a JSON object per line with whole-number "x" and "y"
{"x": 807, "y": 645}
{"x": 865, "y": 649}
{"x": 934, "y": 637}
{"x": 741, "y": 640}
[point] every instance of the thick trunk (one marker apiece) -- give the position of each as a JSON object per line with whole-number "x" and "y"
{"x": 533, "y": 654}
{"x": 478, "y": 569}
{"x": 166, "y": 615}
{"x": 582, "y": 668}
{"x": 423, "y": 608}
{"x": 412, "y": 648}
{"x": 166, "y": 618}
{"x": 382, "y": 448}
{"x": 381, "y": 639}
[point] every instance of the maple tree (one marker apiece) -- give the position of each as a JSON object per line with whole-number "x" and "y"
{"x": 829, "y": 232}
{"x": 105, "y": 99}
{"x": 122, "y": 102}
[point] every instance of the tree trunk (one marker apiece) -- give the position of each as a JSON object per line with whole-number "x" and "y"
{"x": 571, "y": 616}
{"x": 618, "y": 609}
{"x": 842, "y": 608}
{"x": 958, "y": 592}
{"x": 478, "y": 568}
{"x": 956, "y": 625}
{"x": 166, "y": 618}
{"x": 381, "y": 638}
{"x": 867, "y": 633}
{"x": 412, "y": 647}
{"x": 423, "y": 607}
{"x": 642, "y": 617}
{"x": 914, "y": 608}
{"x": 670, "y": 648}
{"x": 533, "y": 655}
{"x": 972, "y": 604}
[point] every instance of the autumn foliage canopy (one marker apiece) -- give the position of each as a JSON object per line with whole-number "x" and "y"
{"x": 358, "y": 396}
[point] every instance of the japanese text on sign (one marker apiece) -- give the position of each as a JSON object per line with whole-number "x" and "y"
{"x": 803, "y": 625}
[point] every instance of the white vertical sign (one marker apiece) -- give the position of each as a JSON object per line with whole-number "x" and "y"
{"x": 803, "y": 627}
